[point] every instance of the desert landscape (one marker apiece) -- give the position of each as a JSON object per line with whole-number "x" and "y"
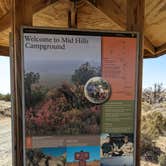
{"x": 62, "y": 109}
{"x": 5, "y": 134}
{"x": 153, "y": 130}
{"x": 153, "y": 126}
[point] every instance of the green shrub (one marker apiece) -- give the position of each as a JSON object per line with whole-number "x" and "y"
{"x": 153, "y": 125}
{"x": 146, "y": 106}
{"x": 162, "y": 160}
{"x": 6, "y": 97}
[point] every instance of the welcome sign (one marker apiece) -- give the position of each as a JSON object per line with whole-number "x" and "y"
{"x": 79, "y": 97}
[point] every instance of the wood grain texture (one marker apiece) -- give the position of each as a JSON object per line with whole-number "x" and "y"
{"x": 135, "y": 22}
{"x": 155, "y": 21}
{"x": 5, "y": 21}
{"x": 4, "y": 7}
{"x": 115, "y": 10}
{"x": 4, "y": 50}
{"x": 55, "y": 15}
{"x": 21, "y": 15}
{"x": 109, "y": 15}
{"x": 5, "y": 16}
{"x": 90, "y": 17}
{"x": 4, "y": 37}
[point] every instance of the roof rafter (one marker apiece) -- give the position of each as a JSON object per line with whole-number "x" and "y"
{"x": 113, "y": 10}
{"x": 5, "y": 21}
{"x": 4, "y": 50}
{"x": 161, "y": 50}
{"x": 149, "y": 46}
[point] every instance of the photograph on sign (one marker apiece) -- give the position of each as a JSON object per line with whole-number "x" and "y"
{"x": 79, "y": 97}
{"x": 117, "y": 149}
{"x": 54, "y": 84}
{"x": 46, "y": 156}
{"x": 83, "y": 156}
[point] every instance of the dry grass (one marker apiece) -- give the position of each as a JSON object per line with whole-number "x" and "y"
{"x": 146, "y": 163}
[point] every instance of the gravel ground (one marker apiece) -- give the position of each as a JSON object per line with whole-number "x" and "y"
{"x": 5, "y": 142}
{"x": 145, "y": 163}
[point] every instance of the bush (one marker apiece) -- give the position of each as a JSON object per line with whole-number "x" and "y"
{"x": 153, "y": 125}
{"x": 6, "y": 97}
{"x": 162, "y": 160}
{"x": 146, "y": 107}
{"x": 84, "y": 73}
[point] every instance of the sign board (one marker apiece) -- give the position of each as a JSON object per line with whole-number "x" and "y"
{"x": 79, "y": 97}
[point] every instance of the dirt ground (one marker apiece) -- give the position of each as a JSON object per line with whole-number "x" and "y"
{"x": 144, "y": 163}
{"x": 5, "y": 142}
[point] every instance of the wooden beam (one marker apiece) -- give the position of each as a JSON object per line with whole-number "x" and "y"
{"x": 21, "y": 15}
{"x": 147, "y": 55}
{"x": 5, "y": 21}
{"x": 72, "y": 15}
{"x": 114, "y": 11}
{"x": 149, "y": 46}
{"x": 161, "y": 50}
{"x": 37, "y": 5}
{"x": 135, "y": 22}
{"x": 4, "y": 50}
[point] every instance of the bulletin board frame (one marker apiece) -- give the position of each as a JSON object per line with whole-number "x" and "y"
{"x": 76, "y": 32}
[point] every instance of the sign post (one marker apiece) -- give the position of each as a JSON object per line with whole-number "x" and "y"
{"x": 82, "y": 157}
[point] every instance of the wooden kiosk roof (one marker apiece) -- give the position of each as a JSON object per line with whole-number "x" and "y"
{"x": 93, "y": 14}
{"x": 145, "y": 16}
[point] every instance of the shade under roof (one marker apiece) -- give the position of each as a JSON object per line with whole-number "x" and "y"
{"x": 103, "y": 16}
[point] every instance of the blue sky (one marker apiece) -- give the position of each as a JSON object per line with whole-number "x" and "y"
{"x": 94, "y": 152}
{"x": 4, "y": 75}
{"x": 55, "y": 152}
{"x": 154, "y": 71}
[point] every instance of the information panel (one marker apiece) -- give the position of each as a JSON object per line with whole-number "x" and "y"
{"x": 79, "y": 97}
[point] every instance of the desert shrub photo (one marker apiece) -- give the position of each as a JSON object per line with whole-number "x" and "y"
{"x": 61, "y": 109}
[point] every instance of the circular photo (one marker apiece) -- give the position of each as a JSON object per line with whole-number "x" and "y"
{"x": 97, "y": 90}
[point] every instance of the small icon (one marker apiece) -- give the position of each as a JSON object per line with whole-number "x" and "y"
{"x": 97, "y": 90}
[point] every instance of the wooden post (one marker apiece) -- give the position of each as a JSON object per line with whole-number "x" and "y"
{"x": 4, "y": 50}
{"x": 72, "y": 14}
{"x": 135, "y": 22}
{"x": 21, "y": 15}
